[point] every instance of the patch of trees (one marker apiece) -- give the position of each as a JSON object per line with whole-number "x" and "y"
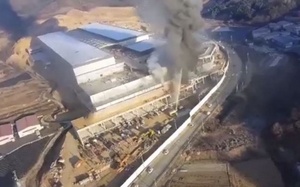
{"x": 252, "y": 10}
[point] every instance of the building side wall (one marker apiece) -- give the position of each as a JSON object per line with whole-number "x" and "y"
{"x": 54, "y": 56}
{"x": 60, "y": 62}
{"x": 127, "y": 97}
{"x": 6, "y": 139}
{"x": 122, "y": 90}
{"x": 94, "y": 66}
{"x": 29, "y": 130}
{"x": 94, "y": 75}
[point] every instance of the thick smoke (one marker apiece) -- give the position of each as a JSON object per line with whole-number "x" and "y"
{"x": 10, "y": 22}
{"x": 177, "y": 21}
{"x": 155, "y": 68}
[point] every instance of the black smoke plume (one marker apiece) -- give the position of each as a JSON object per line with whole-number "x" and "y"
{"x": 10, "y": 22}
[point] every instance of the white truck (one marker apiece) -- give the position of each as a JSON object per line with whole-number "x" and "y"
{"x": 166, "y": 128}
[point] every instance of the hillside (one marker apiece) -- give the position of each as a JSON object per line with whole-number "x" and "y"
{"x": 124, "y": 17}
{"x": 27, "y": 21}
{"x": 250, "y": 11}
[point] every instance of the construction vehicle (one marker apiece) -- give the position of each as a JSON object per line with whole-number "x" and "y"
{"x": 165, "y": 151}
{"x": 149, "y": 134}
{"x": 149, "y": 169}
{"x": 78, "y": 163}
{"x": 166, "y": 128}
{"x": 172, "y": 112}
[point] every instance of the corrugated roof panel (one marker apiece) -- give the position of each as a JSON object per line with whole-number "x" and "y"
{"x": 27, "y": 121}
{"x": 76, "y": 53}
{"x": 141, "y": 46}
{"x": 90, "y": 38}
{"x": 145, "y": 45}
{"x": 5, "y": 130}
{"x": 115, "y": 33}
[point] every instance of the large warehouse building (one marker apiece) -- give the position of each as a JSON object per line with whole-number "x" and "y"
{"x": 110, "y": 67}
{"x": 89, "y": 54}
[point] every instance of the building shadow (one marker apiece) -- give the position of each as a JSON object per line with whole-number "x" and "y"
{"x": 7, "y": 180}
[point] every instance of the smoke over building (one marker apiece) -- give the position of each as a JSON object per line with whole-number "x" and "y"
{"x": 177, "y": 21}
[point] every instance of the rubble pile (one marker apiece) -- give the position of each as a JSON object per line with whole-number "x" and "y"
{"x": 231, "y": 141}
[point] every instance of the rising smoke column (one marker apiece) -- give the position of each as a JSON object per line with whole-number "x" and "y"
{"x": 11, "y": 22}
{"x": 177, "y": 21}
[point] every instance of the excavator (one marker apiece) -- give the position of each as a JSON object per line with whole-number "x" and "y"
{"x": 150, "y": 134}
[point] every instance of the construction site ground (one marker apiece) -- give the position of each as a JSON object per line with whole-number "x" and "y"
{"x": 72, "y": 152}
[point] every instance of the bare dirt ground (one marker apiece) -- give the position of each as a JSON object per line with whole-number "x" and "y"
{"x": 233, "y": 144}
{"x": 201, "y": 174}
{"x": 252, "y": 173}
{"x": 255, "y": 173}
{"x": 20, "y": 93}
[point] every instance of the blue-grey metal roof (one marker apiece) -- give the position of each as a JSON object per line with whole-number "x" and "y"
{"x": 144, "y": 45}
{"x": 141, "y": 46}
{"x": 115, "y": 33}
{"x": 90, "y": 38}
{"x": 76, "y": 53}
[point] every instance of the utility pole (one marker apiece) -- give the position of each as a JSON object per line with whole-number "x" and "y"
{"x": 142, "y": 159}
{"x": 177, "y": 91}
{"x": 175, "y": 124}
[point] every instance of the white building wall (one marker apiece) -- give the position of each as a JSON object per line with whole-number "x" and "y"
{"x": 6, "y": 139}
{"x": 94, "y": 66}
{"x": 128, "y": 97}
{"x": 29, "y": 130}
{"x": 94, "y": 75}
{"x": 123, "y": 89}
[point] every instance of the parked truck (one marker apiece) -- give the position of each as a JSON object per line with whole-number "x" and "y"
{"x": 166, "y": 128}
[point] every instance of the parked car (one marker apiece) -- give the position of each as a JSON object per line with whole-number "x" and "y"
{"x": 209, "y": 105}
{"x": 149, "y": 169}
{"x": 165, "y": 151}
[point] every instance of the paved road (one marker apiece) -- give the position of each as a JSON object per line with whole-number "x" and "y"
{"x": 162, "y": 162}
